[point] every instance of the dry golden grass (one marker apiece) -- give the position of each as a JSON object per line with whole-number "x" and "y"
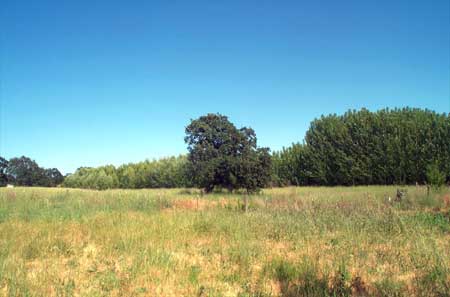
{"x": 292, "y": 242}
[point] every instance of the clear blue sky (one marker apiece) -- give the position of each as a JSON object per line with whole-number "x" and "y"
{"x": 87, "y": 83}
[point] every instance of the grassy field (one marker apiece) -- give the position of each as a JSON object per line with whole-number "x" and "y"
{"x": 292, "y": 242}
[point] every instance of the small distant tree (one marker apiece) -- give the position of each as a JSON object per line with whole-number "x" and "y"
{"x": 102, "y": 181}
{"x": 25, "y": 172}
{"x": 435, "y": 177}
{"x": 127, "y": 177}
{"x": 220, "y": 155}
{"x": 3, "y": 172}
{"x": 52, "y": 177}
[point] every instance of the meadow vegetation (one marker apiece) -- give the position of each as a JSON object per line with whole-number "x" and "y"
{"x": 308, "y": 241}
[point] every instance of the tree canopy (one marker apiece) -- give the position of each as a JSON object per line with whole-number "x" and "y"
{"x": 26, "y": 172}
{"x": 223, "y": 156}
{"x": 362, "y": 147}
{"x": 390, "y": 146}
{"x": 3, "y": 172}
{"x": 169, "y": 172}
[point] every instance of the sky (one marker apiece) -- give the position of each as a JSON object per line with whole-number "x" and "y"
{"x": 89, "y": 83}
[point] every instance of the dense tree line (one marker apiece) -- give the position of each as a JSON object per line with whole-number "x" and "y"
{"x": 169, "y": 172}
{"x": 399, "y": 146}
{"x": 26, "y": 172}
{"x": 362, "y": 147}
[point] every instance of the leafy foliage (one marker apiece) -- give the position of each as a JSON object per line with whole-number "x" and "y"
{"x": 3, "y": 172}
{"x": 399, "y": 146}
{"x": 26, "y": 172}
{"x": 362, "y": 147}
{"x": 435, "y": 176}
{"x": 223, "y": 156}
{"x": 164, "y": 173}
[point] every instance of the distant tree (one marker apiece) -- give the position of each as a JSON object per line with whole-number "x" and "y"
{"x": 102, "y": 181}
{"x": 77, "y": 179}
{"x": 254, "y": 170}
{"x": 127, "y": 177}
{"x": 53, "y": 177}
{"x": 435, "y": 177}
{"x": 223, "y": 156}
{"x": 111, "y": 173}
{"x": 3, "y": 172}
{"x": 25, "y": 172}
{"x": 294, "y": 166}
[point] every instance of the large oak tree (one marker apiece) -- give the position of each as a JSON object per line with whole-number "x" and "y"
{"x": 224, "y": 156}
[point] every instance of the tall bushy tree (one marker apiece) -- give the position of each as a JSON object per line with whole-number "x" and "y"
{"x": 295, "y": 166}
{"x": 223, "y": 156}
{"x": 26, "y": 172}
{"x": 3, "y": 172}
{"x": 52, "y": 177}
{"x": 127, "y": 177}
{"x": 435, "y": 177}
{"x": 363, "y": 147}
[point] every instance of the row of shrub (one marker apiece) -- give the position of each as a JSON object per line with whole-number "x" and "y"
{"x": 163, "y": 173}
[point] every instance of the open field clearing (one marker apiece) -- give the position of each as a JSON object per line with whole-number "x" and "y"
{"x": 308, "y": 241}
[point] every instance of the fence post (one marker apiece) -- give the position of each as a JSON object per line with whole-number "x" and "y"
{"x": 246, "y": 202}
